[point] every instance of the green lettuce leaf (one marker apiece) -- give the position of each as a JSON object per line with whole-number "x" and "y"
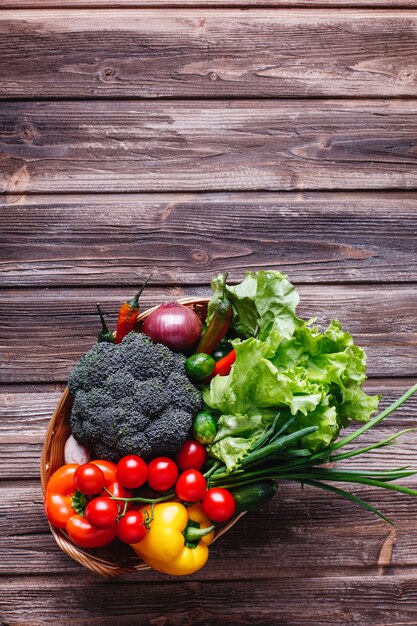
{"x": 264, "y": 306}
{"x": 283, "y": 365}
{"x": 235, "y": 436}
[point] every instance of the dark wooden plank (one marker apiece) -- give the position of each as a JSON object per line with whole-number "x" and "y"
{"x": 386, "y": 601}
{"x": 24, "y": 419}
{"x": 235, "y": 145}
{"x": 184, "y": 238}
{"x": 162, "y": 4}
{"x": 64, "y": 323}
{"x": 226, "y": 53}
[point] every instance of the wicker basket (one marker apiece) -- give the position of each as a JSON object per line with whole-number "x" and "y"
{"x": 118, "y": 558}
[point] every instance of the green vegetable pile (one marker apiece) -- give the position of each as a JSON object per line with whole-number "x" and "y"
{"x": 290, "y": 391}
{"x": 132, "y": 398}
{"x": 284, "y": 364}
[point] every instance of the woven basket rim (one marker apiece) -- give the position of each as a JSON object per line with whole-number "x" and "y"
{"x": 94, "y": 562}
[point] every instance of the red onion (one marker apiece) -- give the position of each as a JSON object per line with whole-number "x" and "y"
{"x": 176, "y": 326}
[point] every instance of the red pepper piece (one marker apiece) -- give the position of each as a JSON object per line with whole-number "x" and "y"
{"x": 223, "y": 367}
{"x": 128, "y": 314}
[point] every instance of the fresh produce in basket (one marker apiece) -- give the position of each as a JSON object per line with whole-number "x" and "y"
{"x": 188, "y": 428}
{"x": 132, "y": 398}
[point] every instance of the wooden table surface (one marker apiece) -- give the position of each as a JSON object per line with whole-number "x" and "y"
{"x": 189, "y": 137}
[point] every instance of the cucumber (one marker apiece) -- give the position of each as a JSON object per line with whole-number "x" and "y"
{"x": 254, "y": 495}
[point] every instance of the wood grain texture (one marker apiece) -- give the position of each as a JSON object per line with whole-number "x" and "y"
{"x": 387, "y": 601}
{"x": 245, "y": 145}
{"x": 307, "y": 557}
{"x": 64, "y": 324}
{"x": 206, "y": 4}
{"x": 217, "y": 52}
{"x": 189, "y": 238}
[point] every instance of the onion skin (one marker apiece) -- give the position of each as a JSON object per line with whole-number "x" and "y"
{"x": 76, "y": 452}
{"x": 176, "y": 326}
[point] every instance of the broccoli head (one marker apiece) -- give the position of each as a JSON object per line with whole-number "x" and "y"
{"x": 132, "y": 398}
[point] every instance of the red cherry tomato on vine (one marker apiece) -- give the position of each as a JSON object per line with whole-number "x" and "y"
{"x": 89, "y": 479}
{"x": 102, "y": 512}
{"x": 162, "y": 473}
{"x": 131, "y": 471}
{"x": 192, "y": 455}
{"x": 108, "y": 468}
{"x": 218, "y": 504}
{"x": 118, "y": 491}
{"x": 86, "y": 536}
{"x": 131, "y": 527}
{"x": 191, "y": 486}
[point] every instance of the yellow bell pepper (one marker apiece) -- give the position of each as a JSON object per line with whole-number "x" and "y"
{"x": 178, "y": 538}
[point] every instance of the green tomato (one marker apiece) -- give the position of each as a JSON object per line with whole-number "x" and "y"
{"x": 204, "y": 427}
{"x": 199, "y": 366}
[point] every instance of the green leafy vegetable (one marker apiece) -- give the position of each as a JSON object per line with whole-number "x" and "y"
{"x": 285, "y": 365}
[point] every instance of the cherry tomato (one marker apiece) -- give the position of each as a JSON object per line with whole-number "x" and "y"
{"x": 218, "y": 504}
{"x": 131, "y": 527}
{"x": 89, "y": 479}
{"x": 117, "y": 490}
{"x": 86, "y": 536}
{"x": 102, "y": 512}
{"x": 131, "y": 471}
{"x": 162, "y": 473}
{"x": 108, "y": 468}
{"x": 191, "y": 486}
{"x": 192, "y": 455}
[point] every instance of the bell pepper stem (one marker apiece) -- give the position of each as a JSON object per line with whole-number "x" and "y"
{"x": 192, "y": 534}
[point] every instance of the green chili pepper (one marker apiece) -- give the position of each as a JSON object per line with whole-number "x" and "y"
{"x": 104, "y": 334}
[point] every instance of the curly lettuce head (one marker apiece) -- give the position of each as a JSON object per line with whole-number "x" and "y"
{"x": 283, "y": 365}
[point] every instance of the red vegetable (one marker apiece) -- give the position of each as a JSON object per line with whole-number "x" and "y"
{"x": 218, "y": 504}
{"x": 102, "y": 513}
{"x": 191, "y": 486}
{"x": 118, "y": 491}
{"x": 131, "y": 527}
{"x": 86, "y": 536}
{"x": 89, "y": 479}
{"x": 108, "y": 468}
{"x": 128, "y": 314}
{"x": 192, "y": 455}
{"x": 176, "y": 326}
{"x": 59, "y": 494}
{"x": 131, "y": 471}
{"x": 223, "y": 367}
{"x": 162, "y": 473}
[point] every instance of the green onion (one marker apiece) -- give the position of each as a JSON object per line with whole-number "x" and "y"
{"x": 272, "y": 457}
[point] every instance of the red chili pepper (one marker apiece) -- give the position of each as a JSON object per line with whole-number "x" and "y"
{"x": 223, "y": 367}
{"x": 128, "y": 314}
